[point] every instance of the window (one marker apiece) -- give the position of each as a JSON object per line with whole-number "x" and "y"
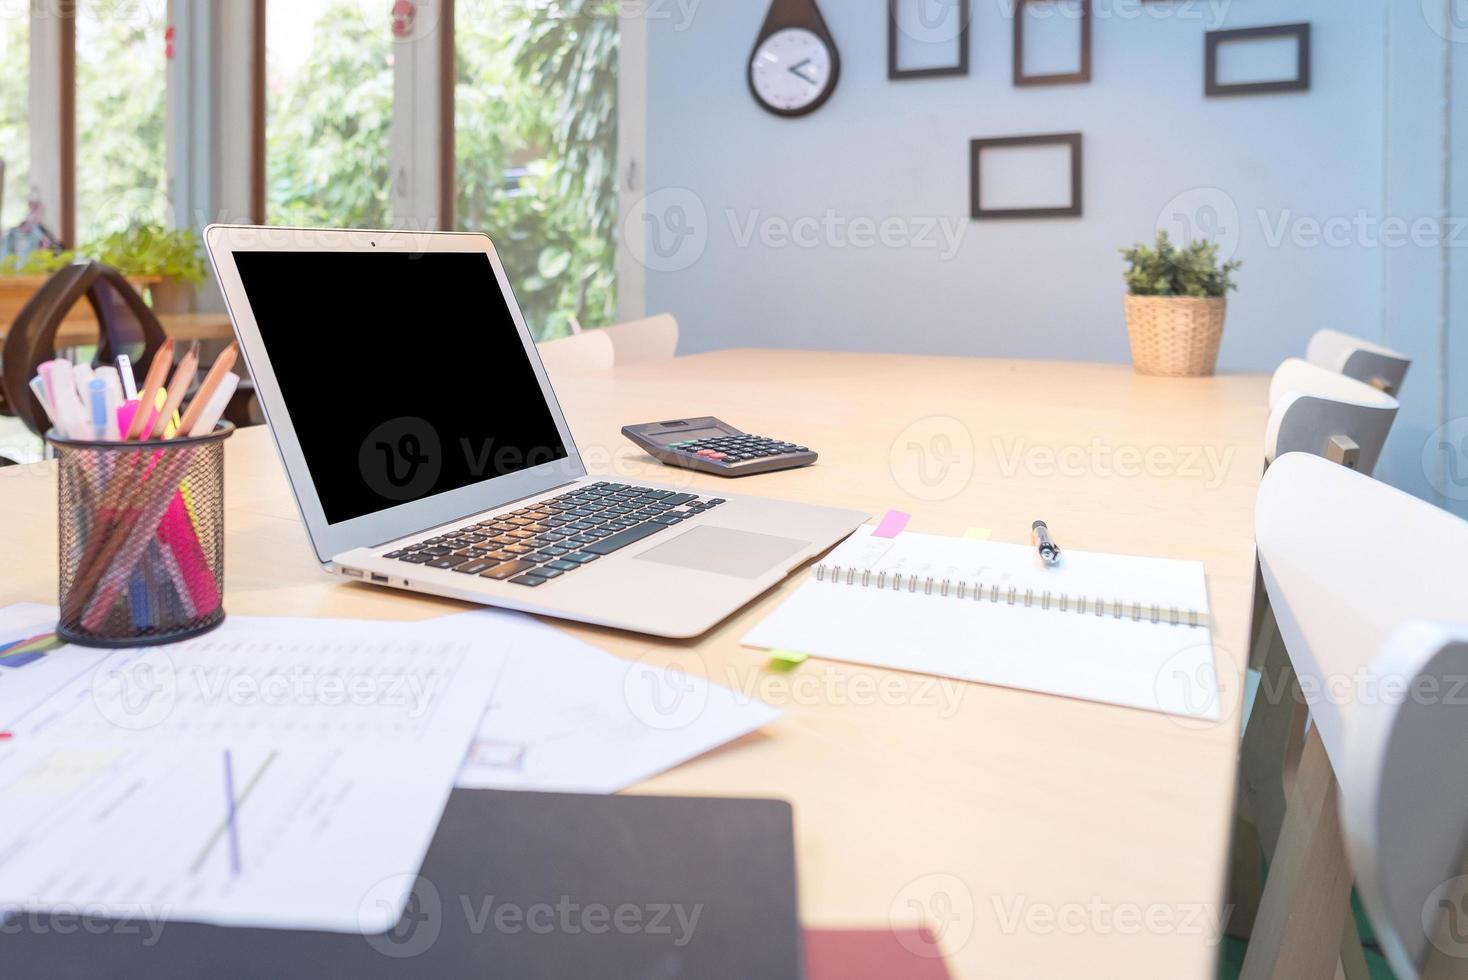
{"x": 15, "y": 147}
{"x": 121, "y": 101}
{"x": 535, "y": 134}
{"x": 328, "y": 113}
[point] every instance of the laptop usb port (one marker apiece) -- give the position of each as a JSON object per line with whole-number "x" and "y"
{"x": 379, "y": 578}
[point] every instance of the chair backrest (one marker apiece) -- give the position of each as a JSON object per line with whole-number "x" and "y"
{"x": 126, "y": 324}
{"x": 1345, "y": 559}
{"x": 1381, "y": 367}
{"x": 1405, "y": 814}
{"x": 652, "y": 339}
{"x": 1313, "y": 410}
{"x": 590, "y": 350}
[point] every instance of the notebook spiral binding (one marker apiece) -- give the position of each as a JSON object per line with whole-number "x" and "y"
{"x": 979, "y": 592}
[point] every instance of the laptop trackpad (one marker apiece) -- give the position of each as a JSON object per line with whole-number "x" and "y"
{"x": 724, "y": 551}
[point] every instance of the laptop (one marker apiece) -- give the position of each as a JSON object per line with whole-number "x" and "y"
{"x": 427, "y": 451}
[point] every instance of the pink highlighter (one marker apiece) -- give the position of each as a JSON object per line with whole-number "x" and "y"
{"x": 189, "y": 568}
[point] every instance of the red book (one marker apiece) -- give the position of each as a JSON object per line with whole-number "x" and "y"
{"x": 873, "y": 954}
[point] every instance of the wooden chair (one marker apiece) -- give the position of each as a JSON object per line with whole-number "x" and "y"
{"x": 127, "y": 326}
{"x": 1344, "y": 559}
{"x": 1405, "y": 824}
{"x": 1313, "y": 410}
{"x": 1381, "y": 367}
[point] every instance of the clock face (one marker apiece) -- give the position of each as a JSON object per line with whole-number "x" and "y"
{"x": 791, "y": 70}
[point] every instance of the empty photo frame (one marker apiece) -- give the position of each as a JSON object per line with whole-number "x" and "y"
{"x": 1062, "y": 29}
{"x": 1257, "y": 60}
{"x": 1026, "y": 176}
{"x": 927, "y": 38}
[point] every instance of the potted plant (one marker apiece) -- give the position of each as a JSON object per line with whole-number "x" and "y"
{"x": 171, "y": 262}
{"x": 166, "y": 264}
{"x": 1175, "y": 306}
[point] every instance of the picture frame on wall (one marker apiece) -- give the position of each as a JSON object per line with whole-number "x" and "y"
{"x": 1216, "y": 41}
{"x": 925, "y": 30}
{"x": 1082, "y": 75}
{"x": 1063, "y": 198}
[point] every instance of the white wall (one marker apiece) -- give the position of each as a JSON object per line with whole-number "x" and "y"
{"x": 1368, "y": 142}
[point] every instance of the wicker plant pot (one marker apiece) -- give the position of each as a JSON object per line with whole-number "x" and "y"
{"x": 1175, "y": 336}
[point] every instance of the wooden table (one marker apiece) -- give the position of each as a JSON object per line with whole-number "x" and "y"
{"x": 1044, "y": 837}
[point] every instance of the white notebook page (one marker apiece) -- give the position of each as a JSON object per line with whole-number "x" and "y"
{"x": 1155, "y": 666}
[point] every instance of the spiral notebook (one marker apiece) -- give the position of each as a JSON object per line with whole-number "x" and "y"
{"x": 1111, "y": 628}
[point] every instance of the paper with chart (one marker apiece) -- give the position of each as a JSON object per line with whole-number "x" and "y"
{"x": 273, "y": 773}
{"x": 567, "y": 717}
{"x": 33, "y": 665}
{"x": 1132, "y": 654}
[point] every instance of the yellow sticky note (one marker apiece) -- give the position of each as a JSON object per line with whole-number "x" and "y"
{"x": 787, "y": 659}
{"x": 978, "y": 534}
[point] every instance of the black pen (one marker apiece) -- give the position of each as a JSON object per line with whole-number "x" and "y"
{"x": 1049, "y": 550}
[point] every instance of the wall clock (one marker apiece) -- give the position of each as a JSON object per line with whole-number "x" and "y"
{"x": 795, "y": 65}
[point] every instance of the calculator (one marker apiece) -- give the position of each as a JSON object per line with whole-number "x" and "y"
{"x": 711, "y": 446}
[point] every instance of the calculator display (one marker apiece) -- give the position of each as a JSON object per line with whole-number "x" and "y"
{"x": 683, "y": 435}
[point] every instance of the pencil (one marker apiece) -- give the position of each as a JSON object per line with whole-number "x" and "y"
{"x": 157, "y": 372}
{"x": 178, "y": 387}
{"x": 222, "y": 366}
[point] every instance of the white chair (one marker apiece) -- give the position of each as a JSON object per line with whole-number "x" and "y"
{"x": 1344, "y": 560}
{"x": 637, "y": 341}
{"x": 1404, "y": 802}
{"x": 590, "y": 350}
{"x": 1313, "y": 410}
{"x": 634, "y": 342}
{"x": 1381, "y": 367}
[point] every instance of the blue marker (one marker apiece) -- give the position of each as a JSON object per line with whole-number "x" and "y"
{"x": 97, "y": 391}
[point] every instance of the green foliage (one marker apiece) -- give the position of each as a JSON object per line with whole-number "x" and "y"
{"x": 37, "y": 263}
{"x": 121, "y": 154}
{"x": 537, "y": 86}
{"x": 535, "y": 91}
{"x": 151, "y": 250}
{"x": 329, "y": 127}
{"x": 1167, "y": 270}
{"x": 146, "y": 250}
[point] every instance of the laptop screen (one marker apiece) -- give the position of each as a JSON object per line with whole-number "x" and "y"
{"x": 404, "y": 374}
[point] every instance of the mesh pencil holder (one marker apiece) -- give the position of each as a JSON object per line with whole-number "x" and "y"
{"x": 141, "y": 528}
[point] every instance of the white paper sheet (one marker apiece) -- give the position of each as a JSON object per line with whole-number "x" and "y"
{"x": 567, "y": 717}
{"x": 1154, "y": 666}
{"x": 335, "y": 743}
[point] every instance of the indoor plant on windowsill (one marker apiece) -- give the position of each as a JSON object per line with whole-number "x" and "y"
{"x": 1175, "y": 306}
{"x": 170, "y": 262}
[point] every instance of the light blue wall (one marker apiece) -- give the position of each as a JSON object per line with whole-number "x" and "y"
{"x": 1367, "y": 140}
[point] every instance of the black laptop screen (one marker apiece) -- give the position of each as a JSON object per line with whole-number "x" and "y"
{"x": 404, "y": 375}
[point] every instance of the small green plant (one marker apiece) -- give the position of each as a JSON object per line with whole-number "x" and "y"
{"x": 151, "y": 250}
{"x": 1168, "y": 270}
{"x": 37, "y": 263}
{"x": 143, "y": 250}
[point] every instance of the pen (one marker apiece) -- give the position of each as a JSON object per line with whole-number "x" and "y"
{"x": 1049, "y": 550}
{"x": 129, "y": 380}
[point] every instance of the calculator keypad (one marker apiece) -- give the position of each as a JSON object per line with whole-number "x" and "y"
{"x": 735, "y": 449}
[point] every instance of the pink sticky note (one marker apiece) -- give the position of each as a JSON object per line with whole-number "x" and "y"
{"x": 892, "y": 525}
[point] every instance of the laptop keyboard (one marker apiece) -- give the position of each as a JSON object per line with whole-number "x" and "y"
{"x": 555, "y": 537}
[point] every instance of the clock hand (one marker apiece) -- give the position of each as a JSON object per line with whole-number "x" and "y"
{"x": 795, "y": 70}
